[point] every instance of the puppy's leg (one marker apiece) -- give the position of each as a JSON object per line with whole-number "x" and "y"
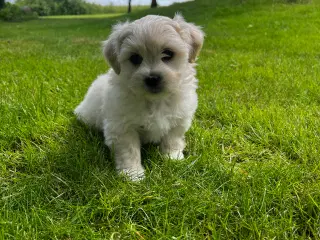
{"x": 173, "y": 143}
{"x": 128, "y": 155}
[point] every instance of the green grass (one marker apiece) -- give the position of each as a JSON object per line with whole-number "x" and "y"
{"x": 116, "y": 11}
{"x": 252, "y": 171}
{"x": 84, "y": 16}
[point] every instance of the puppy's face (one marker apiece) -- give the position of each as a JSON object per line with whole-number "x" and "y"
{"x": 151, "y": 54}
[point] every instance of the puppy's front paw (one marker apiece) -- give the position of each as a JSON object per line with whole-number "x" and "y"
{"x": 176, "y": 155}
{"x": 134, "y": 174}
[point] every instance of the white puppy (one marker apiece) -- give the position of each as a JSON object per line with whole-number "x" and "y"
{"x": 149, "y": 95}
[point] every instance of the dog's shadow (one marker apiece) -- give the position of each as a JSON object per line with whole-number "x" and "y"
{"x": 79, "y": 154}
{"x": 83, "y": 155}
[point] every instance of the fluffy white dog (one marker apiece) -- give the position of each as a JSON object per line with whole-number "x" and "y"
{"x": 149, "y": 95}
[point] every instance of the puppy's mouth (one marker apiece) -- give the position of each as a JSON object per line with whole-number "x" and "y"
{"x": 154, "y": 90}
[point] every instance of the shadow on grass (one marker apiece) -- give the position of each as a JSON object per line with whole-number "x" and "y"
{"x": 84, "y": 155}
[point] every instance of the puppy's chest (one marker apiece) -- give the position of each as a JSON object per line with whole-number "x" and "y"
{"x": 156, "y": 121}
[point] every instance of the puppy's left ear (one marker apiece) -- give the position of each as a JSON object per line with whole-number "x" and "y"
{"x": 192, "y": 35}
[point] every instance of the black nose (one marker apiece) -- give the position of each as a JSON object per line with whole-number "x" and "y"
{"x": 153, "y": 83}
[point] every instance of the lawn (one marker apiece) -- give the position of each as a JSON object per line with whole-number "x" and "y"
{"x": 84, "y": 16}
{"x": 252, "y": 169}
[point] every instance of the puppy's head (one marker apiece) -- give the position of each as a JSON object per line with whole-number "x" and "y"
{"x": 151, "y": 54}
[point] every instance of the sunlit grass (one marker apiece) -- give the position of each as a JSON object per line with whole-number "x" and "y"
{"x": 84, "y": 16}
{"x": 252, "y": 169}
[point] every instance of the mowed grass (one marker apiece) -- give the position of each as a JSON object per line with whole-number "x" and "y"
{"x": 115, "y": 11}
{"x": 84, "y": 16}
{"x": 252, "y": 168}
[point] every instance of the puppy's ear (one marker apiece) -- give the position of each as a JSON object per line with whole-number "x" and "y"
{"x": 192, "y": 35}
{"x": 111, "y": 47}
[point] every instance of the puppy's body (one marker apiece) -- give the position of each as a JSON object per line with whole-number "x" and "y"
{"x": 115, "y": 110}
{"x": 150, "y": 94}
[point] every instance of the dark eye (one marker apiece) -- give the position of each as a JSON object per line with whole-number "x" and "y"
{"x": 168, "y": 55}
{"x": 136, "y": 59}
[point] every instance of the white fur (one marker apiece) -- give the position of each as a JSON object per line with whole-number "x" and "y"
{"x": 120, "y": 102}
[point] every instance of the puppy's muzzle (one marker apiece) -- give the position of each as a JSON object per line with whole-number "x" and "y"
{"x": 154, "y": 83}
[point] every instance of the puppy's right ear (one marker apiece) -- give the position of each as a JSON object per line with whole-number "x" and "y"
{"x": 111, "y": 47}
